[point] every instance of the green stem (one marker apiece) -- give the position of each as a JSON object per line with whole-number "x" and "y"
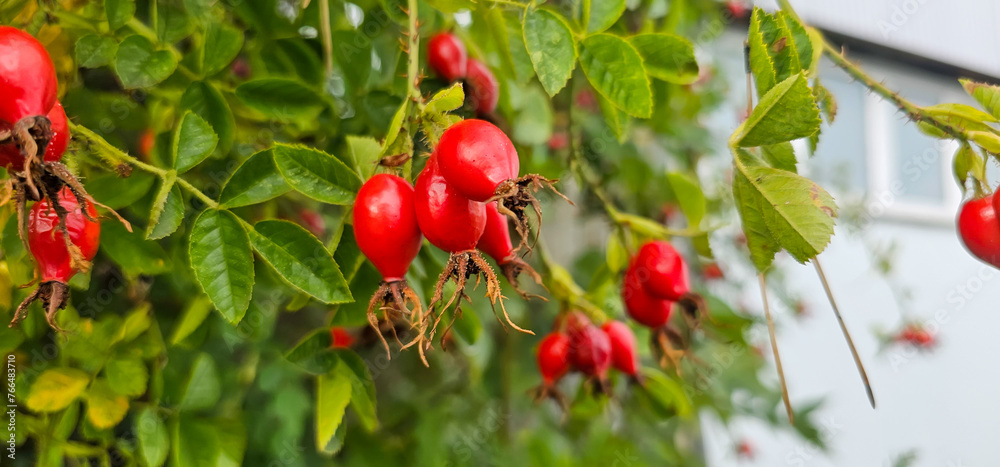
{"x": 413, "y": 57}
{"x": 115, "y": 157}
{"x": 509, "y": 3}
{"x": 912, "y": 111}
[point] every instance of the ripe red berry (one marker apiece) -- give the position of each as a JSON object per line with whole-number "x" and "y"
{"x": 146, "y": 142}
{"x": 55, "y": 263}
{"x": 553, "y": 357}
{"x": 980, "y": 229}
{"x": 650, "y": 311}
{"x": 662, "y": 270}
{"x": 447, "y": 56}
{"x": 27, "y": 77}
{"x": 11, "y": 157}
{"x": 712, "y": 271}
{"x": 624, "y": 354}
{"x": 476, "y": 157}
{"x": 589, "y": 350}
{"x": 485, "y": 90}
{"x": 385, "y": 225}
{"x": 450, "y": 221}
{"x": 340, "y": 338}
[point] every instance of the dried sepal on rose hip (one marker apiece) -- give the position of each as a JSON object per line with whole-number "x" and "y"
{"x": 63, "y": 238}
{"x": 386, "y": 230}
{"x": 496, "y": 243}
{"x": 454, "y": 224}
{"x": 480, "y": 162}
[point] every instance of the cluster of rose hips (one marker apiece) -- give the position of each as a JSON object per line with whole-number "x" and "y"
{"x": 915, "y": 335}
{"x": 656, "y": 279}
{"x": 459, "y": 203}
{"x": 578, "y": 344}
{"x": 62, "y": 227}
{"x": 447, "y": 56}
{"x": 979, "y": 228}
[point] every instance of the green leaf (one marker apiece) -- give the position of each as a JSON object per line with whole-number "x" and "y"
{"x": 807, "y": 52}
{"x": 787, "y": 112}
{"x": 667, "y": 57}
{"x": 222, "y": 262}
{"x": 616, "y": 120}
{"x": 962, "y": 116}
{"x": 194, "y": 141}
{"x": 451, "y": 6}
{"x": 365, "y": 154}
{"x": 207, "y": 102}
{"x": 780, "y": 156}
{"x": 167, "y": 214}
{"x": 615, "y": 253}
{"x": 172, "y": 23}
{"x": 316, "y": 174}
{"x": 301, "y": 259}
{"x": 761, "y": 64}
{"x": 987, "y": 140}
{"x": 221, "y": 45}
{"x": 551, "y": 48}
{"x": 826, "y": 100}
{"x": 313, "y": 353}
{"x": 780, "y": 209}
{"x": 137, "y": 322}
{"x": 255, "y": 181}
{"x": 94, "y": 51}
{"x": 140, "y": 65}
{"x": 393, "y": 132}
{"x": 202, "y": 388}
{"x": 667, "y": 393}
{"x": 333, "y": 392}
{"x": 689, "y": 196}
{"x": 119, "y": 12}
{"x": 987, "y": 95}
{"x": 192, "y": 318}
{"x": 132, "y": 251}
{"x": 128, "y": 376}
{"x": 363, "y": 399}
{"x": 105, "y": 408}
{"x": 967, "y": 162}
{"x": 56, "y": 388}
{"x": 151, "y": 437}
{"x": 772, "y": 38}
{"x": 604, "y": 14}
{"x": 615, "y": 70}
{"x": 280, "y": 98}
{"x": 446, "y": 100}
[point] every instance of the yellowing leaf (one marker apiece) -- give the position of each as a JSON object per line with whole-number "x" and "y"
{"x": 55, "y": 389}
{"x": 105, "y": 408}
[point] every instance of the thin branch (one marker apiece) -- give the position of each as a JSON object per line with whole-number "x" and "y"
{"x": 774, "y": 350}
{"x": 912, "y": 111}
{"x": 413, "y": 56}
{"x": 847, "y": 334}
{"x": 326, "y": 31}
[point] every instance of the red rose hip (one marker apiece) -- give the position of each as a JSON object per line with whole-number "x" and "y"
{"x": 447, "y": 56}
{"x": 648, "y": 310}
{"x": 485, "y": 90}
{"x": 27, "y": 76}
{"x": 553, "y": 357}
{"x": 979, "y": 228}
{"x": 624, "y": 354}
{"x": 590, "y": 350}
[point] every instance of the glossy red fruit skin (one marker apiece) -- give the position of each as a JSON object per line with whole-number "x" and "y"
{"x": 662, "y": 270}
{"x": 485, "y": 87}
{"x": 447, "y": 56}
{"x": 10, "y": 157}
{"x": 553, "y": 357}
{"x": 979, "y": 229}
{"x": 624, "y": 355}
{"x": 46, "y": 240}
{"x": 650, "y": 311}
{"x": 449, "y": 220}
{"x": 27, "y": 76}
{"x": 496, "y": 237}
{"x": 475, "y": 157}
{"x": 385, "y": 225}
{"x": 590, "y": 350}
{"x": 340, "y": 338}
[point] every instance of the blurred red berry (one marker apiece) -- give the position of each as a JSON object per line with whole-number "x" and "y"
{"x": 340, "y": 338}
